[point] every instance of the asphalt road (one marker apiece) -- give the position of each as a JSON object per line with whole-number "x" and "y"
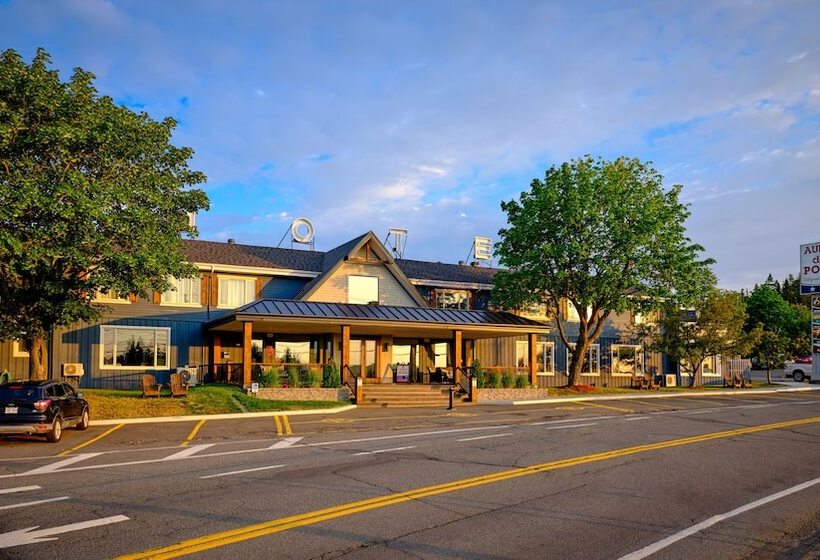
{"x": 570, "y": 480}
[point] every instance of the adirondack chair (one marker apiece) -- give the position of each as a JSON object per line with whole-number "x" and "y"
{"x": 178, "y": 387}
{"x": 150, "y": 387}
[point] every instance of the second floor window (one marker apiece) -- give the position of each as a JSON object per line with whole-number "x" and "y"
{"x": 453, "y": 299}
{"x": 234, "y": 292}
{"x": 183, "y": 291}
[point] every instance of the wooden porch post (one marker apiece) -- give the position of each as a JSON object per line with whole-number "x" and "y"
{"x": 532, "y": 352}
{"x": 216, "y": 353}
{"x": 345, "y": 354}
{"x": 469, "y": 350}
{"x": 458, "y": 355}
{"x": 247, "y": 335}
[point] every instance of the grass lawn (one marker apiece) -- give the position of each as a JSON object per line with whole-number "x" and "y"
{"x": 203, "y": 399}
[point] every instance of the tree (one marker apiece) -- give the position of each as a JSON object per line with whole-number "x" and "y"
{"x": 604, "y": 236}
{"x": 715, "y": 326}
{"x": 784, "y": 326}
{"x": 92, "y": 197}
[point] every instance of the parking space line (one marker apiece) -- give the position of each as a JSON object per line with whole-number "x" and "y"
{"x": 193, "y": 433}
{"x": 278, "y": 422}
{"x": 92, "y": 440}
{"x": 34, "y": 503}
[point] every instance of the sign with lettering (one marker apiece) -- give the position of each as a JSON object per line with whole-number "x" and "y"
{"x": 810, "y": 268}
{"x": 483, "y": 248}
{"x": 402, "y": 373}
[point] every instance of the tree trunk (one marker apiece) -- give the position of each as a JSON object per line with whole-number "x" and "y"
{"x": 769, "y": 373}
{"x": 38, "y": 357}
{"x": 576, "y": 363}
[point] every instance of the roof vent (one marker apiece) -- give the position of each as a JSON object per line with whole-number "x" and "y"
{"x": 461, "y": 263}
{"x": 232, "y": 241}
{"x": 474, "y": 263}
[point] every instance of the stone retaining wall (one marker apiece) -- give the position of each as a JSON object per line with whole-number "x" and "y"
{"x": 486, "y": 395}
{"x": 304, "y": 394}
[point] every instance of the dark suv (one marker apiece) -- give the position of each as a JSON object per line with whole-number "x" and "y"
{"x": 41, "y": 407}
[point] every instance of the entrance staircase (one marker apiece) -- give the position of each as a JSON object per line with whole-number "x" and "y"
{"x": 410, "y": 395}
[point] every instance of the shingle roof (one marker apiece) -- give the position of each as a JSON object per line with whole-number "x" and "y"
{"x": 320, "y": 310}
{"x": 214, "y": 252}
{"x": 422, "y": 270}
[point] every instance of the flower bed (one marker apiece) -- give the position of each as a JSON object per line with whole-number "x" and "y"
{"x": 304, "y": 394}
{"x": 488, "y": 395}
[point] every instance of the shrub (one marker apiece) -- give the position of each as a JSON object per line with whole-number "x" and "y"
{"x": 269, "y": 377}
{"x": 508, "y": 379}
{"x": 331, "y": 377}
{"x": 478, "y": 373}
{"x": 293, "y": 376}
{"x": 521, "y": 382}
{"x": 304, "y": 376}
{"x": 494, "y": 380}
{"x": 313, "y": 378}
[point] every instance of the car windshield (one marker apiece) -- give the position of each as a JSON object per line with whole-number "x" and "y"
{"x": 16, "y": 391}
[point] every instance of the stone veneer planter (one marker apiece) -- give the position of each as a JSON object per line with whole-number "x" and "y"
{"x": 487, "y": 395}
{"x": 304, "y": 394}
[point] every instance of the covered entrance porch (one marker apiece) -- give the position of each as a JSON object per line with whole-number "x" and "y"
{"x": 371, "y": 344}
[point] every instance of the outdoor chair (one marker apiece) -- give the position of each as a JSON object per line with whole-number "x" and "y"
{"x": 178, "y": 387}
{"x": 150, "y": 387}
{"x": 640, "y": 382}
{"x": 733, "y": 381}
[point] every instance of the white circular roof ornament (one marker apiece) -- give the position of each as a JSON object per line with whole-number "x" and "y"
{"x": 301, "y": 230}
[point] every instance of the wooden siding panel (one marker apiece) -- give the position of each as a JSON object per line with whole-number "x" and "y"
{"x": 334, "y": 288}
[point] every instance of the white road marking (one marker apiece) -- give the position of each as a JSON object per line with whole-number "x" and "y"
{"x": 485, "y": 437}
{"x": 60, "y": 464}
{"x": 570, "y": 420}
{"x": 243, "y": 471}
{"x": 187, "y": 452}
{"x": 19, "y": 489}
{"x": 637, "y": 418}
{"x": 705, "y": 524}
{"x": 385, "y": 450}
{"x": 34, "y": 503}
{"x": 31, "y": 535}
{"x": 285, "y": 443}
{"x": 573, "y": 426}
{"x": 704, "y": 411}
{"x": 400, "y": 436}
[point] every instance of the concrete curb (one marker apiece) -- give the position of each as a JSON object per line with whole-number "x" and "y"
{"x": 655, "y": 396}
{"x": 233, "y": 416}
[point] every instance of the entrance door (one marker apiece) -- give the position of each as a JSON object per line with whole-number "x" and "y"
{"x": 363, "y": 359}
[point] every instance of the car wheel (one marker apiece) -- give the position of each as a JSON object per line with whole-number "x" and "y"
{"x": 799, "y": 376}
{"x": 56, "y": 431}
{"x": 83, "y": 423}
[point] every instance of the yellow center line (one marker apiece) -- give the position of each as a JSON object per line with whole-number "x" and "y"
{"x": 193, "y": 433}
{"x": 286, "y": 425}
{"x": 607, "y": 406}
{"x": 223, "y": 538}
{"x": 278, "y": 422}
{"x": 92, "y": 440}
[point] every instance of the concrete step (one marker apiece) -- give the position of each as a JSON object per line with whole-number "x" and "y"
{"x": 398, "y": 396}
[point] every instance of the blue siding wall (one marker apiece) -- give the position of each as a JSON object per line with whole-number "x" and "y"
{"x": 283, "y": 288}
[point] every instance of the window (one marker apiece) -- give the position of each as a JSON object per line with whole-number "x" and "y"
{"x": 440, "y": 350}
{"x": 134, "y": 347}
{"x": 649, "y": 318}
{"x": 627, "y": 359}
{"x": 453, "y": 299}
{"x": 592, "y": 365}
{"x": 110, "y": 296}
{"x": 235, "y": 291}
{"x": 293, "y": 350}
{"x": 710, "y": 367}
{"x": 183, "y": 291}
{"x": 362, "y": 289}
{"x": 545, "y": 356}
{"x": 21, "y": 349}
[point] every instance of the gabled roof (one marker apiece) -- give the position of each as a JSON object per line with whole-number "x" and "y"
{"x": 336, "y": 257}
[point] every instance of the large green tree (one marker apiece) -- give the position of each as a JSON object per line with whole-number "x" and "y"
{"x": 92, "y": 197}
{"x": 603, "y": 235}
{"x": 714, "y": 326}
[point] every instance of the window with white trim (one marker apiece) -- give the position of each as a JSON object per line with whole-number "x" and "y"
{"x": 544, "y": 355}
{"x": 627, "y": 359}
{"x": 362, "y": 289}
{"x": 183, "y": 291}
{"x": 21, "y": 349}
{"x": 110, "y": 296}
{"x": 592, "y": 365}
{"x": 453, "y": 299}
{"x": 235, "y": 291}
{"x": 134, "y": 347}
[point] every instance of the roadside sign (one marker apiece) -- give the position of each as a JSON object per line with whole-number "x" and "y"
{"x": 810, "y": 268}
{"x": 254, "y": 388}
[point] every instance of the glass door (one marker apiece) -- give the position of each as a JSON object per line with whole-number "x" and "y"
{"x": 363, "y": 358}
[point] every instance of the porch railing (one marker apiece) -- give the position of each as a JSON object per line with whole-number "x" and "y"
{"x": 464, "y": 379}
{"x": 352, "y": 382}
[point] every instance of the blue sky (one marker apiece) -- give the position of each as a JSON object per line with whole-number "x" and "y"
{"x": 425, "y": 115}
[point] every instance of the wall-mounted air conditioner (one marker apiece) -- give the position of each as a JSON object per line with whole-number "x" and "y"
{"x": 73, "y": 370}
{"x": 189, "y": 375}
{"x": 670, "y": 380}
